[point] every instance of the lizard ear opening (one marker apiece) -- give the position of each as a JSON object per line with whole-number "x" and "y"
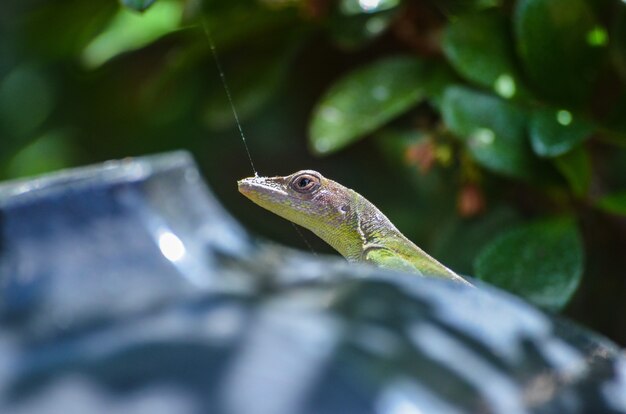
{"x": 305, "y": 183}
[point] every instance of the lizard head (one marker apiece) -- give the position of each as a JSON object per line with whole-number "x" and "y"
{"x": 306, "y": 198}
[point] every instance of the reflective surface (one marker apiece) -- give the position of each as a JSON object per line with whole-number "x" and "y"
{"x": 126, "y": 288}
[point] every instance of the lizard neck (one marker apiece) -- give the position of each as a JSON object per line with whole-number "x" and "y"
{"x": 343, "y": 237}
{"x": 377, "y": 231}
{"x": 363, "y": 226}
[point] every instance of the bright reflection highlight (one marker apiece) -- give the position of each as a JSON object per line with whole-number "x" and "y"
{"x": 375, "y": 25}
{"x": 564, "y": 117}
{"x": 331, "y": 114}
{"x": 380, "y": 93}
{"x": 405, "y": 396}
{"x": 369, "y": 4}
{"x": 403, "y": 407}
{"x": 505, "y": 86}
{"x": 483, "y": 136}
{"x": 597, "y": 36}
{"x": 171, "y": 246}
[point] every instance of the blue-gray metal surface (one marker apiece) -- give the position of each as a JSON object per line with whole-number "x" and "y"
{"x": 126, "y": 288}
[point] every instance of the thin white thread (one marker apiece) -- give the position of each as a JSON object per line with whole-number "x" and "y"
{"x": 232, "y": 107}
{"x": 295, "y": 226}
{"x": 227, "y": 89}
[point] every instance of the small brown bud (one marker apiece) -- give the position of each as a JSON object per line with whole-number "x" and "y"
{"x": 423, "y": 154}
{"x": 471, "y": 200}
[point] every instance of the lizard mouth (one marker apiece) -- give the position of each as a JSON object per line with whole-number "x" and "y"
{"x": 253, "y": 187}
{"x": 244, "y": 186}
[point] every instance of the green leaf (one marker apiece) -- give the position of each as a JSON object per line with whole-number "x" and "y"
{"x": 138, "y": 5}
{"x": 614, "y": 203}
{"x": 559, "y": 46}
{"x": 576, "y": 168}
{"x": 129, "y": 31}
{"x": 555, "y": 132}
{"x": 479, "y": 48}
{"x": 541, "y": 262}
{"x": 492, "y": 129}
{"x": 26, "y": 101}
{"x": 62, "y": 29}
{"x": 366, "y": 99}
{"x": 49, "y": 152}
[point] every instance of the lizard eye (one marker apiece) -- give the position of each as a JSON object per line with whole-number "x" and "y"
{"x": 305, "y": 183}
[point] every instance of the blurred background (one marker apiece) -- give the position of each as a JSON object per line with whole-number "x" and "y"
{"x": 491, "y": 132}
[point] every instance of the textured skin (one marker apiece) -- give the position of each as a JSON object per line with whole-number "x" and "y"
{"x": 344, "y": 219}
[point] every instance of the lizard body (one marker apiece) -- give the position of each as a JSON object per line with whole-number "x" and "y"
{"x": 342, "y": 218}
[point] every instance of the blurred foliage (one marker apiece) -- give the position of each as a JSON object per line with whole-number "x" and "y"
{"x": 492, "y": 132}
{"x": 541, "y": 261}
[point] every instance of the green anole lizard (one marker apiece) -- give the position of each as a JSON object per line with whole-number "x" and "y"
{"x": 342, "y": 218}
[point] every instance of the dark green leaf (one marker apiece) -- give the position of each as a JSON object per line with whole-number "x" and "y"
{"x": 492, "y": 129}
{"x": 479, "y": 48}
{"x": 356, "y": 31}
{"x": 554, "y": 132}
{"x": 440, "y": 77}
{"x": 26, "y": 100}
{"x": 614, "y": 203}
{"x": 236, "y": 23}
{"x": 542, "y": 262}
{"x": 138, "y": 5}
{"x": 62, "y": 29}
{"x": 576, "y": 168}
{"x": 560, "y": 45}
{"x": 129, "y": 31}
{"x": 49, "y": 152}
{"x": 254, "y": 84}
{"x": 366, "y": 99}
